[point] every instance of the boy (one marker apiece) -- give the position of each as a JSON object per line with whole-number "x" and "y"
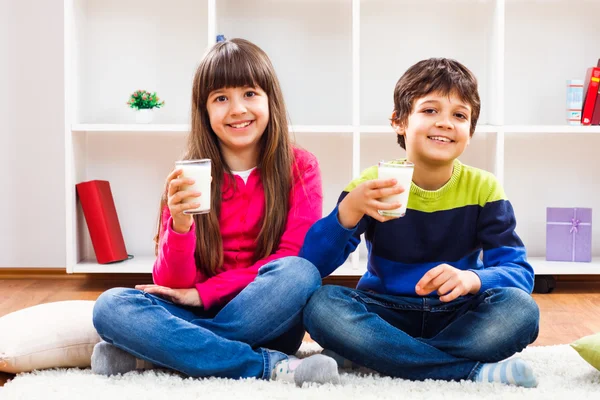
{"x": 428, "y": 307}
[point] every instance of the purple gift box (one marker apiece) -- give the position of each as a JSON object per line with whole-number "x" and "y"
{"x": 569, "y": 234}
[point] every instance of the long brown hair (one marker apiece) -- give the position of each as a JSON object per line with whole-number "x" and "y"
{"x": 239, "y": 63}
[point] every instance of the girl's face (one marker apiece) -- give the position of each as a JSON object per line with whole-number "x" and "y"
{"x": 239, "y": 117}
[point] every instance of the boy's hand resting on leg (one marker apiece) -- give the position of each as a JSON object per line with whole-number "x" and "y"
{"x": 449, "y": 282}
{"x": 365, "y": 199}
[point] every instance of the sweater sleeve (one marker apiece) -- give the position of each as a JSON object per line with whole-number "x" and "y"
{"x": 504, "y": 255}
{"x": 175, "y": 266}
{"x": 306, "y": 207}
{"x": 328, "y": 244}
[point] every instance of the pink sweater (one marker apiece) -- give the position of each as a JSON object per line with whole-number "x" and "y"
{"x": 240, "y": 220}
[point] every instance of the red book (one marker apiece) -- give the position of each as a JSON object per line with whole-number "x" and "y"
{"x": 102, "y": 221}
{"x": 590, "y": 92}
{"x": 596, "y": 114}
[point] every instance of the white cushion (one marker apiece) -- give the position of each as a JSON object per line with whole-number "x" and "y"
{"x": 50, "y": 335}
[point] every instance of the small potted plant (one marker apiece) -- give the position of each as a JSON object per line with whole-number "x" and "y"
{"x": 144, "y": 102}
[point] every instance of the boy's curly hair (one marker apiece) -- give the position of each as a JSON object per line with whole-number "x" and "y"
{"x": 439, "y": 75}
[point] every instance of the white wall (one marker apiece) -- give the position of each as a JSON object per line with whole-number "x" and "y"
{"x": 32, "y": 134}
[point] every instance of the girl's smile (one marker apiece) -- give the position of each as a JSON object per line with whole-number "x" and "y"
{"x": 241, "y": 125}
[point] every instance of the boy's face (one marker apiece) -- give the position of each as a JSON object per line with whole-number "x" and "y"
{"x": 438, "y": 129}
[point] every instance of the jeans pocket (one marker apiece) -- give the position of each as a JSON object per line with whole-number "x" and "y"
{"x": 487, "y": 295}
{"x": 387, "y": 301}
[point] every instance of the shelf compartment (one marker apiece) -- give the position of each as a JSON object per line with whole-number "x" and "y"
{"x": 310, "y": 46}
{"x": 558, "y": 171}
{"x": 546, "y": 43}
{"x": 119, "y": 47}
{"x": 407, "y": 32}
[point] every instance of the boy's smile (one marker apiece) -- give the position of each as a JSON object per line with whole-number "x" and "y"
{"x": 441, "y": 139}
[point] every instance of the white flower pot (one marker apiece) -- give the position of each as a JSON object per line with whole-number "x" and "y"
{"x": 144, "y": 116}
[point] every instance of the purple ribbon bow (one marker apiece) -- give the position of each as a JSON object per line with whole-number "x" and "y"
{"x": 574, "y": 225}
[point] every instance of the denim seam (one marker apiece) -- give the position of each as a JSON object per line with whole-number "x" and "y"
{"x": 267, "y": 364}
{"x": 475, "y": 371}
{"x": 275, "y": 332}
{"x": 133, "y": 299}
{"x": 444, "y": 308}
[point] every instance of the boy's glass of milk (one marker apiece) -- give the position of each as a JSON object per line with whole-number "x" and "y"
{"x": 199, "y": 171}
{"x": 403, "y": 171}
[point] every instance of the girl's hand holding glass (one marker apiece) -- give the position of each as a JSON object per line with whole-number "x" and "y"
{"x": 175, "y": 197}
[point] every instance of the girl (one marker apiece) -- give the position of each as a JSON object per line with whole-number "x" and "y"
{"x": 229, "y": 291}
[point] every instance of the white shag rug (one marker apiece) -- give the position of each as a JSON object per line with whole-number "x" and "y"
{"x": 561, "y": 373}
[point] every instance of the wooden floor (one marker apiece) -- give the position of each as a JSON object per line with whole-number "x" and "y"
{"x": 570, "y": 312}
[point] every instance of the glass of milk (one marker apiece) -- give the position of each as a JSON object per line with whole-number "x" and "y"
{"x": 402, "y": 170}
{"x": 199, "y": 171}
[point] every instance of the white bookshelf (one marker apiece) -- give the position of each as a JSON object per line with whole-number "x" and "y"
{"x": 338, "y": 62}
{"x": 546, "y": 129}
{"x": 543, "y": 267}
{"x": 121, "y": 128}
{"x": 144, "y": 264}
{"x": 387, "y": 129}
{"x": 137, "y": 265}
{"x": 185, "y": 128}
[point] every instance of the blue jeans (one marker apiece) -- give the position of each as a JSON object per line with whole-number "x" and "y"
{"x": 422, "y": 338}
{"x": 244, "y": 339}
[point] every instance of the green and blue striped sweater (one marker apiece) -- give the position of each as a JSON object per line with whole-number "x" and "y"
{"x": 451, "y": 225}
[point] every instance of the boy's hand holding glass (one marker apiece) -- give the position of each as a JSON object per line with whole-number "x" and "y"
{"x": 175, "y": 197}
{"x": 365, "y": 199}
{"x": 184, "y": 297}
{"x": 449, "y": 282}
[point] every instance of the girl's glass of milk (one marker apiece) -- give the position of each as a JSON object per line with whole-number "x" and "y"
{"x": 199, "y": 171}
{"x": 402, "y": 170}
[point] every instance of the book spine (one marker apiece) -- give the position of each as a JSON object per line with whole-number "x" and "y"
{"x": 574, "y": 101}
{"x": 592, "y": 82}
{"x": 596, "y": 114}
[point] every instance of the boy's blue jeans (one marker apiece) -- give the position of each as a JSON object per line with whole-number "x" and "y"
{"x": 422, "y": 338}
{"x": 237, "y": 341}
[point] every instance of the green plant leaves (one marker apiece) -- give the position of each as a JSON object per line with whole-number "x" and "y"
{"x": 142, "y": 99}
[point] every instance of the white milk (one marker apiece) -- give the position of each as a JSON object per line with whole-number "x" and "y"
{"x": 403, "y": 172}
{"x": 199, "y": 171}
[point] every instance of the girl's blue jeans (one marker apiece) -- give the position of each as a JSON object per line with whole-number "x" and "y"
{"x": 245, "y": 338}
{"x": 421, "y": 338}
